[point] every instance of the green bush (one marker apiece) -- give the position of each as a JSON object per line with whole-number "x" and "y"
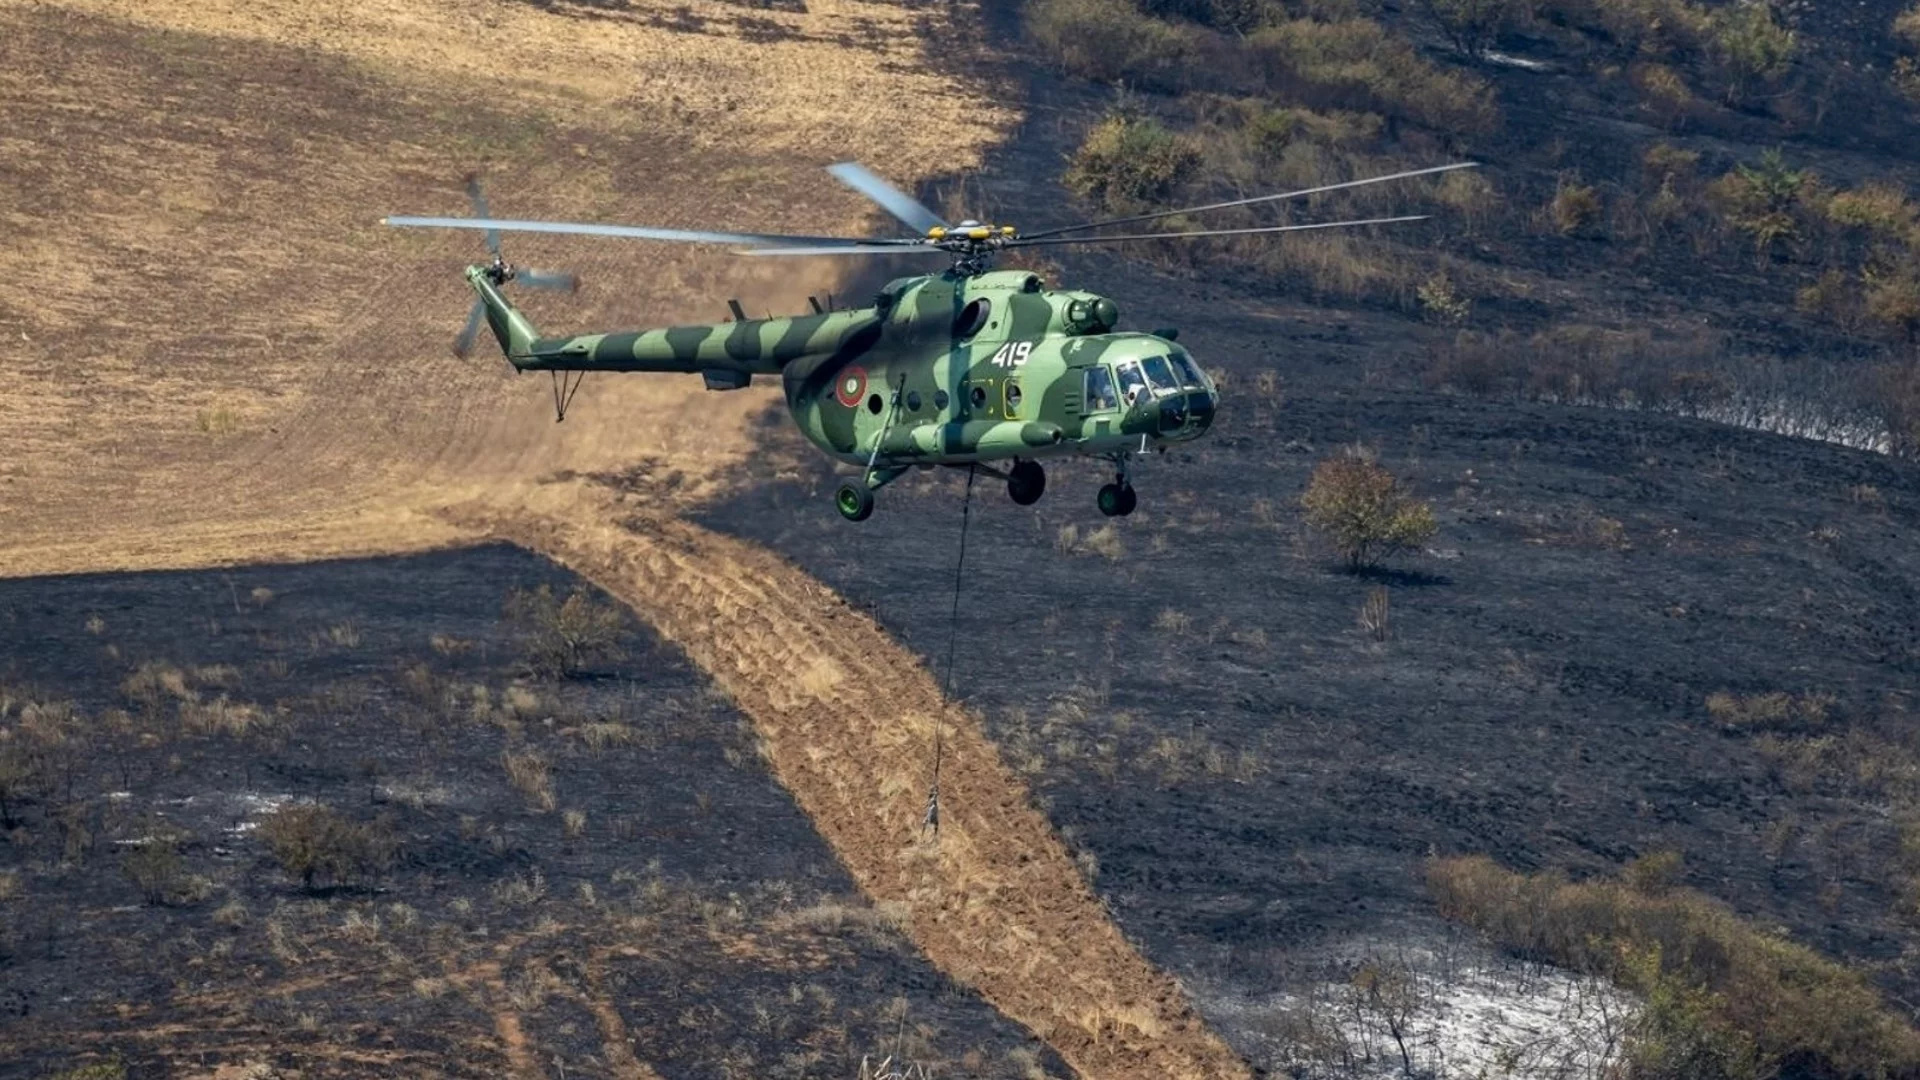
{"x": 1365, "y": 511}
{"x": 155, "y": 867}
{"x": 1764, "y": 200}
{"x": 1750, "y": 46}
{"x": 1127, "y": 162}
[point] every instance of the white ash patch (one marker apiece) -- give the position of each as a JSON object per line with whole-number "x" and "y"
{"x": 1419, "y": 1013}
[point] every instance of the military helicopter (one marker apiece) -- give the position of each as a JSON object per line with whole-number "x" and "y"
{"x": 971, "y": 367}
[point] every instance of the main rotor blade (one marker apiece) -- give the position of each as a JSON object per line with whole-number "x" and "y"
{"x": 1302, "y": 193}
{"x": 548, "y": 279}
{"x": 1045, "y": 239}
{"x": 891, "y": 199}
{"x": 479, "y": 200}
{"x": 635, "y": 232}
{"x": 916, "y": 249}
{"x": 463, "y": 344}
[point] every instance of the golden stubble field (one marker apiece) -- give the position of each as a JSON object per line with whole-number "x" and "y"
{"x": 214, "y": 354}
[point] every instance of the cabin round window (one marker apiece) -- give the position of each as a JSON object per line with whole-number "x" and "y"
{"x": 978, "y": 396}
{"x": 972, "y": 317}
{"x": 1013, "y": 396}
{"x": 939, "y": 399}
{"x": 874, "y": 404}
{"x": 913, "y": 401}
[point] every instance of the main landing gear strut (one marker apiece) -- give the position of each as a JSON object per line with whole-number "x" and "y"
{"x": 1026, "y": 482}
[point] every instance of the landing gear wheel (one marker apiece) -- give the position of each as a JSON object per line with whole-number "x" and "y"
{"x": 854, "y": 501}
{"x": 1117, "y": 501}
{"x": 1026, "y": 483}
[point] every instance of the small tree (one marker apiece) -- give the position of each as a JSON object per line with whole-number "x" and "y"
{"x": 1365, "y": 510}
{"x": 311, "y": 842}
{"x": 154, "y": 865}
{"x": 562, "y": 637}
{"x": 1751, "y": 46}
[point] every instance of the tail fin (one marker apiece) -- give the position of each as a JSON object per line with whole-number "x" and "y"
{"x": 515, "y": 334}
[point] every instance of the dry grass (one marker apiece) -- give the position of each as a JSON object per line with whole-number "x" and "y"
{"x": 531, "y": 776}
{"x": 1774, "y": 711}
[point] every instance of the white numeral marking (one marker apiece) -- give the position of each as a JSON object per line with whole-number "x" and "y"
{"x": 1012, "y": 354}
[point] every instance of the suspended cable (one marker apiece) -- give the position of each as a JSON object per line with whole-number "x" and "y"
{"x": 953, "y": 639}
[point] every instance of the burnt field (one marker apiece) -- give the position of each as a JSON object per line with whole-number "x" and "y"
{"x": 1578, "y": 671}
{"x": 594, "y": 874}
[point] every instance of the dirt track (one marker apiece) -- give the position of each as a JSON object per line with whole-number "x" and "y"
{"x": 292, "y": 400}
{"x": 847, "y": 716}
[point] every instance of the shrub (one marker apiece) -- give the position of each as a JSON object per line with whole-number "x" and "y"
{"x": 1891, "y": 296}
{"x": 1358, "y": 64}
{"x": 311, "y": 842}
{"x": 1723, "y": 999}
{"x": 1473, "y": 25}
{"x": 1750, "y": 46}
{"x": 1365, "y": 510}
{"x": 1441, "y": 302}
{"x": 1906, "y": 26}
{"x": 1111, "y": 41}
{"x": 1877, "y": 208}
{"x": 154, "y": 865}
{"x": 1126, "y": 162}
{"x": 561, "y": 638}
{"x": 1574, "y": 208}
{"x": 1762, "y": 199}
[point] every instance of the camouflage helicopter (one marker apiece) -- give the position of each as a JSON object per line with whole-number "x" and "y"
{"x": 971, "y": 367}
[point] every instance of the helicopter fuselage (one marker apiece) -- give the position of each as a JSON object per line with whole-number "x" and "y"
{"x": 941, "y": 370}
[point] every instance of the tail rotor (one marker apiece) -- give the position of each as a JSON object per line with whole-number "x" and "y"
{"x": 502, "y": 271}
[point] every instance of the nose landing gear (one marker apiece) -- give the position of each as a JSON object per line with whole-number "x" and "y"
{"x": 1117, "y": 500}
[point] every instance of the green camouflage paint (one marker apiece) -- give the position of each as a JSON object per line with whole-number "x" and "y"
{"x": 1007, "y": 357}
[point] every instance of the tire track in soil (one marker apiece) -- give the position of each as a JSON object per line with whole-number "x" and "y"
{"x": 847, "y": 719}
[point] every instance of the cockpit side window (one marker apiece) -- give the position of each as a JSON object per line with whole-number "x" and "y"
{"x": 1100, "y": 393}
{"x": 1189, "y": 372}
{"x": 1132, "y": 384}
{"x": 1160, "y": 374}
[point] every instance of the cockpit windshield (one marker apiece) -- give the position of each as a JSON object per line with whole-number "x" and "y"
{"x": 1131, "y": 384}
{"x": 1189, "y": 372}
{"x": 1160, "y": 374}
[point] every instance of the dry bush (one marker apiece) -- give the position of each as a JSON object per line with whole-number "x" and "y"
{"x": 1375, "y": 614}
{"x": 1112, "y": 41}
{"x": 312, "y": 842}
{"x": 1365, "y": 510}
{"x": 1890, "y": 294}
{"x": 1359, "y": 64}
{"x": 1634, "y": 28}
{"x": 530, "y": 775}
{"x": 1575, "y": 207}
{"x": 601, "y": 734}
{"x": 1173, "y": 622}
{"x": 156, "y": 868}
{"x": 1104, "y": 541}
{"x": 1724, "y": 999}
{"x": 1129, "y": 162}
{"x": 561, "y": 638}
{"x": 222, "y": 717}
{"x": 1775, "y": 711}
{"x": 1878, "y": 208}
{"x": 1474, "y": 25}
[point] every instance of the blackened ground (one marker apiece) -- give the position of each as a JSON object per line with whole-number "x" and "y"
{"x": 689, "y": 910}
{"x": 1256, "y": 776}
